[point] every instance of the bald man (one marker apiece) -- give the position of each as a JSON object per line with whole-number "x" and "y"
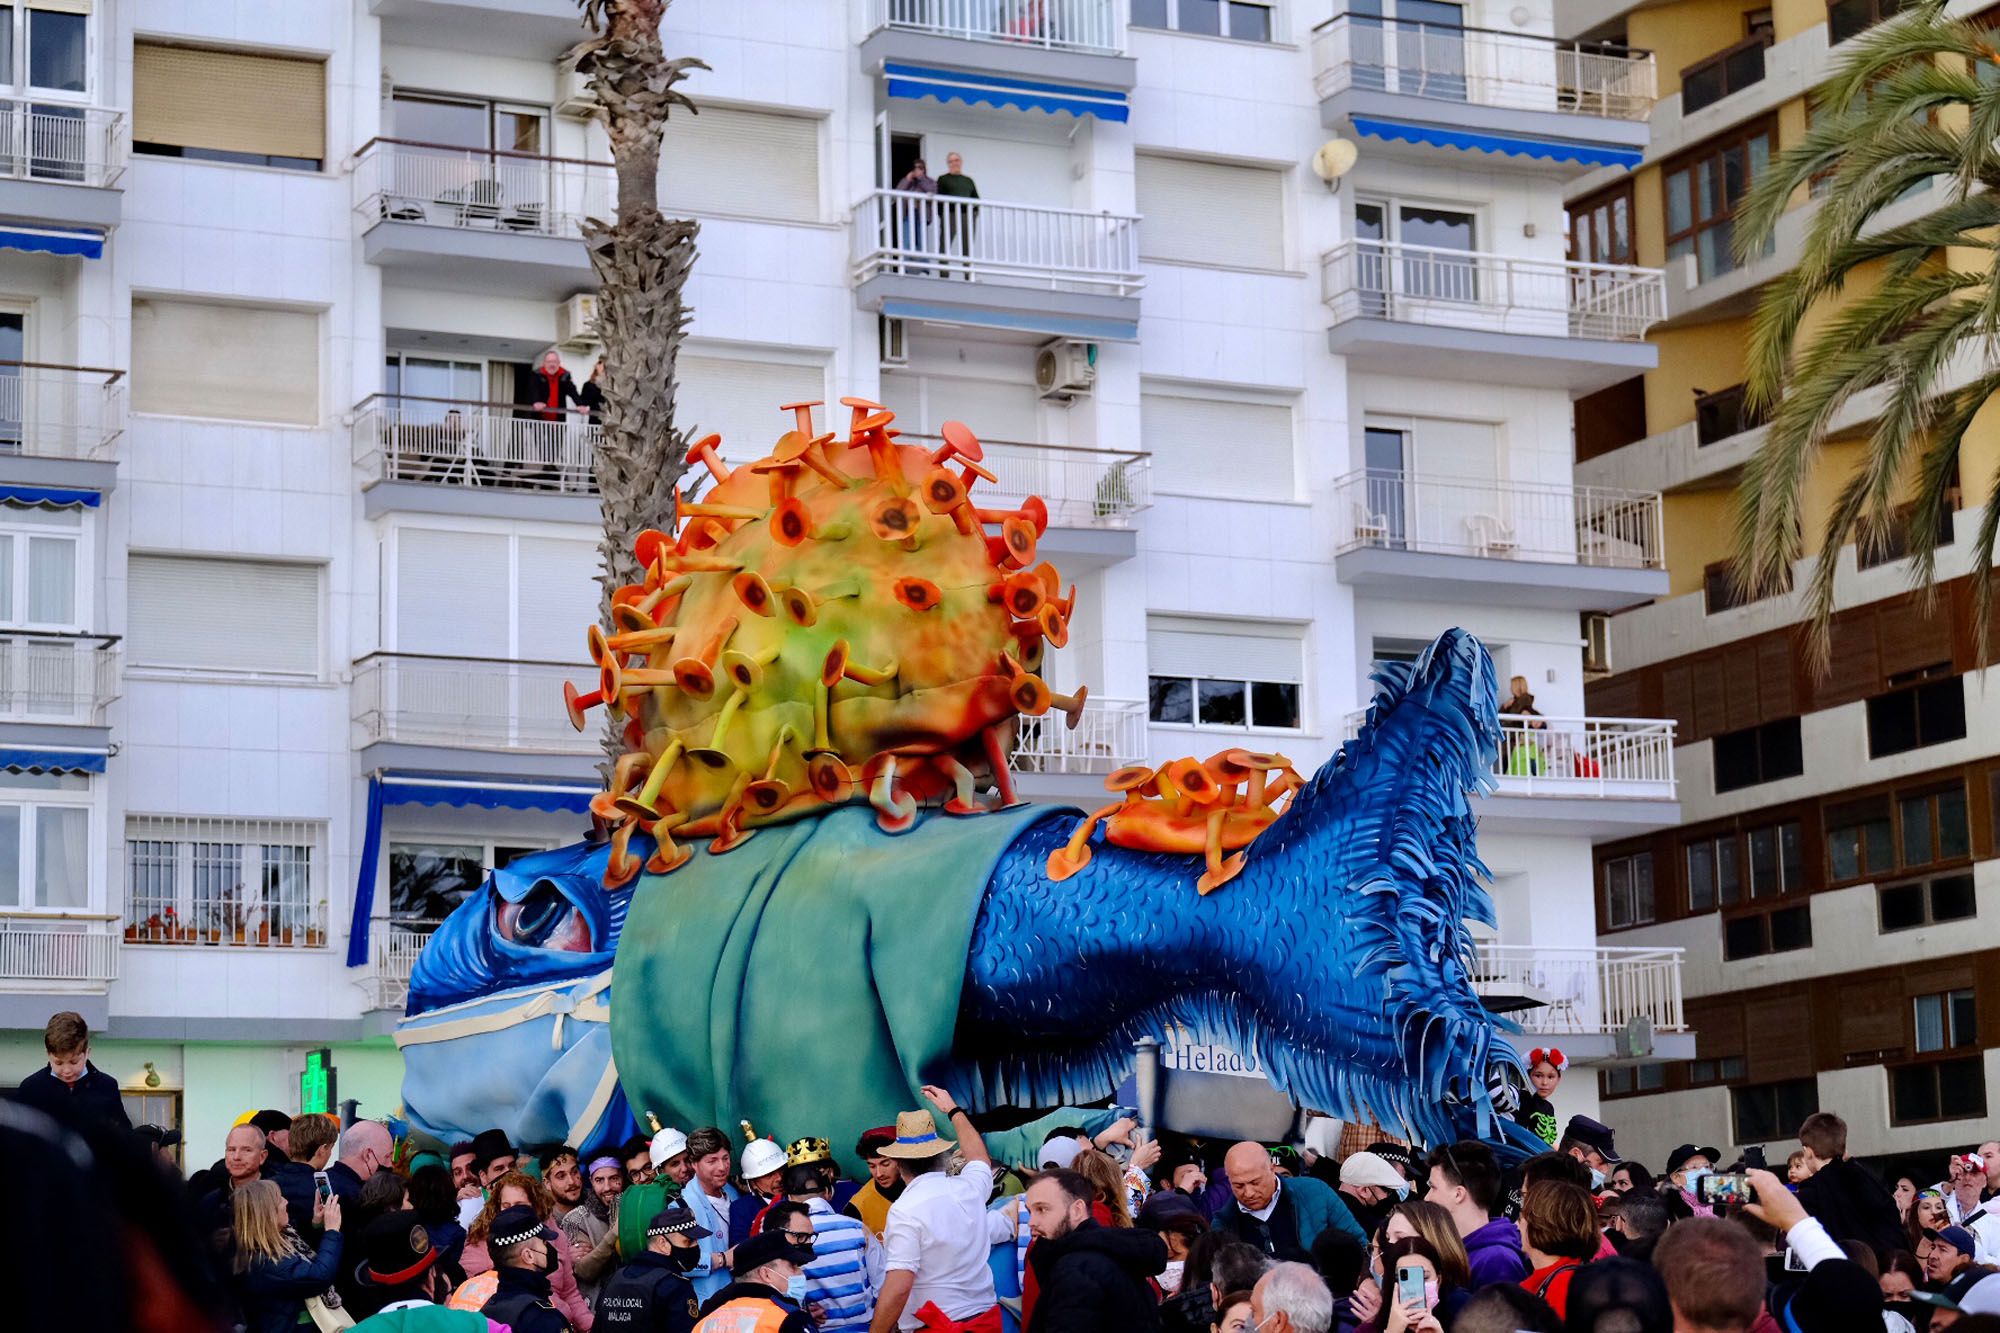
{"x": 1280, "y": 1217}
{"x": 365, "y": 1148}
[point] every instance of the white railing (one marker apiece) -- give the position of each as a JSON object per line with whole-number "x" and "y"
{"x": 1083, "y": 488}
{"x": 55, "y": 411}
{"x": 58, "y": 949}
{"x": 1021, "y": 245}
{"x": 1094, "y": 26}
{"x": 1110, "y": 734}
{"x": 52, "y": 141}
{"x": 1481, "y": 67}
{"x": 1505, "y": 520}
{"x": 57, "y": 678}
{"x": 1469, "y": 289}
{"x": 451, "y": 443}
{"x": 469, "y": 703}
{"x": 393, "y": 948}
{"x": 234, "y": 883}
{"x": 1585, "y": 990}
{"x": 436, "y": 185}
{"x": 1629, "y": 758}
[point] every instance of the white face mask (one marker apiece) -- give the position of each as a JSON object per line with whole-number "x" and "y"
{"x": 1596, "y": 1179}
{"x": 1693, "y": 1179}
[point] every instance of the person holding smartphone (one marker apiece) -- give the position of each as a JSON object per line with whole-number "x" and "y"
{"x": 1413, "y": 1293}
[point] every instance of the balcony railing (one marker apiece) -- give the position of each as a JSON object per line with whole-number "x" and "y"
{"x": 57, "y": 678}
{"x": 1592, "y": 991}
{"x": 1091, "y": 26}
{"x": 467, "y": 703}
{"x": 1482, "y": 67}
{"x": 226, "y": 883}
{"x": 1083, "y": 488}
{"x": 58, "y": 949}
{"x": 1468, "y": 289}
{"x": 1110, "y": 734}
{"x": 393, "y": 950}
{"x": 70, "y": 145}
{"x": 1501, "y": 520}
{"x": 974, "y": 240}
{"x": 1615, "y": 757}
{"x": 445, "y": 442}
{"x": 436, "y": 185}
{"x": 55, "y": 411}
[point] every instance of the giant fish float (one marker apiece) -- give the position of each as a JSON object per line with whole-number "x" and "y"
{"x": 811, "y": 889}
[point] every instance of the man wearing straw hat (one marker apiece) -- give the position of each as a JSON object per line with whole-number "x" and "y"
{"x": 935, "y": 1243}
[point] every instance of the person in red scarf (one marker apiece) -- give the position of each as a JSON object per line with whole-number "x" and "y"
{"x": 547, "y": 389}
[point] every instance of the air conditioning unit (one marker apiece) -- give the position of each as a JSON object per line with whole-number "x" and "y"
{"x": 576, "y": 320}
{"x": 893, "y": 348}
{"x": 1596, "y": 642}
{"x": 1064, "y": 369}
{"x": 573, "y": 95}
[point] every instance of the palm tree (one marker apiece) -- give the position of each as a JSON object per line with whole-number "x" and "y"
{"x": 1916, "y": 99}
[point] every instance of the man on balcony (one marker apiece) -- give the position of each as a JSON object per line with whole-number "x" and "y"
{"x": 956, "y": 220}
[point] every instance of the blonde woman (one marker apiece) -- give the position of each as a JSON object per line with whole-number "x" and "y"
{"x": 517, "y": 1188}
{"x": 1107, "y": 1178}
{"x": 275, "y": 1271}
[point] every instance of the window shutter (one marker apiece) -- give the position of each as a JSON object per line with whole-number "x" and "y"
{"x": 1224, "y": 649}
{"x": 750, "y": 163}
{"x": 223, "y": 615}
{"x": 1212, "y": 447}
{"x": 740, "y": 399}
{"x": 557, "y": 597}
{"x": 229, "y": 101}
{"x": 62, "y": 6}
{"x": 994, "y": 409}
{"x": 451, "y": 593}
{"x": 235, "y": 362}
{"x": 1211, "y": 212}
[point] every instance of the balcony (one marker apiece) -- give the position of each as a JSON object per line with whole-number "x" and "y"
{"x": 1591, "y": 1002}
{"x": 462, "y": 218}
{"x": 77, "y": 949}
{"x": 435, "y": 455}
{"x": 60, "y": 164}
{"x": 393, "y": 948}
{"x": 523, "y": 29}
{"x": 1093, "y": 495}
{"x": 1574, "y": 548}
{"x": 468, "y": 703}
{"x": 1423, "y": 88}
{"x": 58, "y": 424}
{"x": 1468, "y": 315}
{"x": 1054, "y": 763}
{"x": 60, "y": 680}
{"x": 1056, "y": 271}
{"x": 1070, "y": 48}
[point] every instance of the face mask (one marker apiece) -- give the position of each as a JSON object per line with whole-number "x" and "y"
{"x": 1403, "y": 1193}
{"x": 1596, "y": 1180}
{"x": 685, "y": 1258}
{"x": 1694, "y": 1178}
{"x": 1431, "y": 1294}
{"x": 795, "y": 1289}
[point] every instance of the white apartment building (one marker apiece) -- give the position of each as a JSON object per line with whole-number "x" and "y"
{"x": 297, "y": 585}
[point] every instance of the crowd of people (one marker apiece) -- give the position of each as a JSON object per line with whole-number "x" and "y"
{"x": 304, "y": 1221}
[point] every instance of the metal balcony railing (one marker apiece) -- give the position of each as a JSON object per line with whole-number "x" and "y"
{"x": 976, "y": 240}
{"x": 1585, "y": 990}
{"x": 467, "y": 703}
{"x": 1468, "y": 289}
{"x": 437, "y": 185}
{"x": 67, "y": 948}
{"x": 49, "y": 410}
{"x": 1615, "y": 757}
{"x": 57, "y": 678}
{"x": 69, "y": 145}
{"x": 393, "y": 947}
{"x": 237, "y": 883}
{"x": 1482, "y": 67}
{"x": 1083, "y": 488}
{"x": 447, "y": 442}
{"x": 1502, "y": 520}
{"x": 1093, "y": 26}
{"x": 1110, "y": 734}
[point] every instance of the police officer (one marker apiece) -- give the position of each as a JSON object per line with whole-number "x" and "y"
{"x": 769, "y": 1290}
{"x": 652, "y": 1292}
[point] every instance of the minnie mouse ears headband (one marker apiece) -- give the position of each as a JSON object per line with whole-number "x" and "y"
{"x": 1550, "y": 1056}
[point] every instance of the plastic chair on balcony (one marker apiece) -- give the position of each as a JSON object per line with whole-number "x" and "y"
{"x": 1565, "y": 1007}
{"x": 1491, "y": 535}
{"x": 477, "y": 202}
{"x": 1370, "y": 529}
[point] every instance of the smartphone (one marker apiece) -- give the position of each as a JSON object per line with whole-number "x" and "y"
{"x": 1723, "y": 1188}
{"x": 1410, "y": 1285}
{"x": 321, "y": 1186}
{"x": 1753, "y": 1158}
{"x": 1795, "y": 1264}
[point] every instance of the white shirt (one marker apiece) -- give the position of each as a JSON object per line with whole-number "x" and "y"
{"x": 937, "y": 1232}
{"x": 1264, "y": 1214}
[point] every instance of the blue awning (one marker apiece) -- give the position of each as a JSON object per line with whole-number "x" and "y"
{"x": 52, "y": 761}
{"x": 952, "y": 85}
{"x": 1063, "y": 326}
{"x": 1553, "y": 150}
{"x": 49, "y": 497}
{"x": 49, "y": 241}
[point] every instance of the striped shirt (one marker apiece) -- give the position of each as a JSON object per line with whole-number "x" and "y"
{"x": 846, "y": 1271}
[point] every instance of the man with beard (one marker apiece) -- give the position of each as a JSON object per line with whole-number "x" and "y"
{"x": 652, "y": 1294}
{"x": 592, "y": 1227}
{"x": 1090, "y": 1276}
{"x": 884, "y": 1186}
{"x": 563, "y": 1176}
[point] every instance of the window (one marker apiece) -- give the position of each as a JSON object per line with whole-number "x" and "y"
{"x": 1777, "y": 860}
{"x": 1712, "y": 876}
{"x": 1928, "y": 712}
{"x": 45, "y": 47}
{"x": 1937, "y": 1090}
{"x": 1727, "y": 71}
{"x": 255, "y": 363}
{"x": 39, "y": 552}
{"x": 739, "y": 398}
{"x": 1628, "y": 890}
{"x": 1181, "y": 430}
{"x": 1724, "y": 413}
{"x": 1630, "y": 1081}
{"x": 1860, "y": 843}
{"x": 428, "y": 880}
{"x": 1895, "y": 543}
{"x": 702, "y": 165}
{"x": 1945, "y": 1021}
{"x": 228, "y": 106}
{"x": 251, "y": 882}
{"x": 470, "y": 123}
{"x": 1244, "y": 20}
{"x": 1214, "y": 213}
{"x": 1934, "y": 827}
{"x": 1774, "y": 1110}
{"x": 1849, "y": 18}
{"x": 1722, "y": 591}
{"x": 1703, "y": 1073}
{"x": 1703, "y": 189}
{"x": 1758, "y": 754}
{"x": 237, "y": 616}
{"x": 1435, "y": 271}
{"x": 45, "y": 841}
{"x": 145, "y": 1106}
{"x": 1760, "y": 933}
{"x": 532, "y": 592}
{"x": 1600, "y": 227}
{"x": 1926, "y": 902}
{"x": 1223, "y": 673}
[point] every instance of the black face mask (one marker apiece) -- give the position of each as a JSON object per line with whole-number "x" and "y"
{"x": 685, "y": 1258}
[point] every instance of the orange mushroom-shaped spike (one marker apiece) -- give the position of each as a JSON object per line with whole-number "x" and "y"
{"x": 1020, "y": 592}
{"x": 791, "y": 521}
{"x": 1018, "y": 535}
{"x": 1054, "y": 625}
{"x": 895, "y": 519}
{"x": 650, "y": 545}
{"x": 1193, "y": 781}
{"x": 695, "y": 673}
{"x": 621, "y": 867}
{"x": 962, "y": 446}
{"x": 576, "y": 704}
{"x": 755, "y": 594}
{"x": 703, "y": 451}
{"x": 830, "y": 777}
{"x": 918, "y": 594}
{"x": 945, "y": 494}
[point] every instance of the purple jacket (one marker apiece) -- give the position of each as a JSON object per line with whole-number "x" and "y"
{"x": 1495, "y": 1252}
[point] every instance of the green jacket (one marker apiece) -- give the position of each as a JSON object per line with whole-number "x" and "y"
{"x": 423, "y": 1319}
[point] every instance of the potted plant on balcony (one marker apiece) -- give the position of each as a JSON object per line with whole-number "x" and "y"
{"x": 132, "y": 928}
{"x": 315, "y": 931}
{"x": 1114, "y": 492}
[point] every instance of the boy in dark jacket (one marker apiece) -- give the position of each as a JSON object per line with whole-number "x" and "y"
{"x": 72, "y": 1087}
{"x": 1849, "y": 1202}
{"x": 1091, "y": 1277}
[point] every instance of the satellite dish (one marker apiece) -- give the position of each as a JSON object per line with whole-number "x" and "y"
{"x": 1334, "y": 159}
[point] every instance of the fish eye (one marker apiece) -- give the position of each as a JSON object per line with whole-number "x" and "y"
{"x": 544, "y": 919}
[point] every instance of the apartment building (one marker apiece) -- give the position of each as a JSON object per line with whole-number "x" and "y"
{"x": 1833, "y": 865}
{"x": 324, "y": 578}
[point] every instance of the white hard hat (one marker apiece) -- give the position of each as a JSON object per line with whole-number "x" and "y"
{"x": 668, "y": 1143}
{"x": 762, "y": 1158}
